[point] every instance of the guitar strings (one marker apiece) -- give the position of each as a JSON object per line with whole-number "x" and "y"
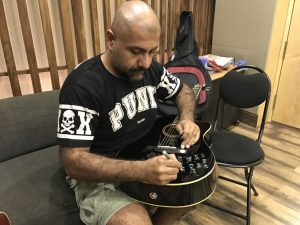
{"x": 171, "y": 132}
{"x": 168, "y": 138}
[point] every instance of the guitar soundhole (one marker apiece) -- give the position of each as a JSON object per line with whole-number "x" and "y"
{"x": 170, "y": 131}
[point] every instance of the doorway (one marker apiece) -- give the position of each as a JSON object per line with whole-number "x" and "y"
{"x": 286, "y": 108}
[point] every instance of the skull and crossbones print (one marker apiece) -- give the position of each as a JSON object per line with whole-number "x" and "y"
{"x": 68, "y": 121}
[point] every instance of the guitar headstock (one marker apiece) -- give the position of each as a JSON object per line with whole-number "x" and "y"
{"x": 197, "y": 89}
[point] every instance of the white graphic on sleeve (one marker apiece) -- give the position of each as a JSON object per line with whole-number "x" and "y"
{"x": 73, "y": 118}
{"x": 169, "y": 82}
{"x": 84, "y": 123}
{"x": 68, "y": 121}
{"x": 129, "y": 103}
{"x": 116, "y": 116}
{"x": 143, "y": 102}
{"x": 58, "y": 126}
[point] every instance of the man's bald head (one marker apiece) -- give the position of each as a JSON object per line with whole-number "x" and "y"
{"x": 132, "y": 16}
{"x": 132, "y": 40}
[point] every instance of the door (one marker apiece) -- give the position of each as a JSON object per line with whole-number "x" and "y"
{"x": 287, "y": 102}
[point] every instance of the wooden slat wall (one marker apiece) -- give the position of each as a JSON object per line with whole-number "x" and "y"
{"x": 95, "y": 27}
{"x": 164, "y": 33}
{"x": 8, "y": 54}
{"x": 80, "y": 35}
{"x": 106, "y": 14}
{"x": 65, "y": 18}
{"x": 49, "y": 43}
{"x": 29, "y": 47}
{"x": 73, "y": 22}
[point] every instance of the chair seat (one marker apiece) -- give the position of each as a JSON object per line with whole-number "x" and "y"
{"x": 240, "y": 151}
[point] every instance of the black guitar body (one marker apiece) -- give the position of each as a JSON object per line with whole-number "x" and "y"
{"x": 195, "y": 182}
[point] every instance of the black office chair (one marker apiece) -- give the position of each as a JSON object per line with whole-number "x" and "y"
{"x": 242, "y": 90}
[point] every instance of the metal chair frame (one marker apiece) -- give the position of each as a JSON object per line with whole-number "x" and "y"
{"x": 248, "y": 169}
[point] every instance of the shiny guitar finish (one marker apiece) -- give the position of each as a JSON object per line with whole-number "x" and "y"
{"x": 195, "y": 182}
{"x": 4, "y": 220}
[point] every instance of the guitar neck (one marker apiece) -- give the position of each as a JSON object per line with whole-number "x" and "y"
{"x": 196, "y": 89}
{"x": 168, "y": 139}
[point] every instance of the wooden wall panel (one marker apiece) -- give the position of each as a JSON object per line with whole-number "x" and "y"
{"x": 44, "y": 10}
{"x": 210, "y": 26}
{"x": 162, "y": 41}
{"x": 29, "y": 47}
{"x": 106, "y": 14}
{"x": 65, "y": 19}
{"x": 80, "y": 36}
{"x": 154, "y": 5}
{"x": 8, "y": 53}
{"x": 95, "y": 27}
{"x": 118, "y": 2}
{"x": 170, "y": 28}
{"x": 75, "y": 27}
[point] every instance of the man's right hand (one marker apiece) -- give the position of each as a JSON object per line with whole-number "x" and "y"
{"x": 82, "y": 165}
{"x": 160, "y": 170}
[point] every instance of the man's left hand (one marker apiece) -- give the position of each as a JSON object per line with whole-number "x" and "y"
{"x": 189, "y": 132}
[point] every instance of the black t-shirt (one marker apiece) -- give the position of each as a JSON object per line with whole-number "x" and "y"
{"x": 100, "y": 110}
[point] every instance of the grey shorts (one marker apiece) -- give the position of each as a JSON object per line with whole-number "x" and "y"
{"x": 99, "y": 201}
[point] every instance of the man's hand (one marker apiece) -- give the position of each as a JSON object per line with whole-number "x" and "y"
{"x": 160, "y": 170}
{"x": 186, "y": 127}
{"x": 189, "y": 132}
{"x": 82, "y": 165}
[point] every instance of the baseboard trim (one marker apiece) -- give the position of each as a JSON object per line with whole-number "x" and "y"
{"x": 248, "y": 118}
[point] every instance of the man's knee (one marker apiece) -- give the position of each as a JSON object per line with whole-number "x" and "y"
{"x": 167, "y": 216}
{"x": 133, "y": 213}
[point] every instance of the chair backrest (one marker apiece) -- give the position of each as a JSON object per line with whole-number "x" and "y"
{"x": 243, "y": 90}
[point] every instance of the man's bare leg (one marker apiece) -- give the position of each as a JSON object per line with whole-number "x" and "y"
{"x": 167, "y": 216}
{"x": 133, "y": 213}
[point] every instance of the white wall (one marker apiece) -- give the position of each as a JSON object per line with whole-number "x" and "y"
{"x": 242, "y": 29}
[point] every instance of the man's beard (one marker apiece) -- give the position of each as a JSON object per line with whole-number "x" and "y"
{"x": 133, "y": 74}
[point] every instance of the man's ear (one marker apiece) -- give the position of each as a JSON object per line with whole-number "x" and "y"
{"x": 110, "y": 37}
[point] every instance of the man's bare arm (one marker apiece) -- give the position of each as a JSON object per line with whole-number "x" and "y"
{"x": 186, "y": 103}
{"x": 186, "y": 127}
{"x": 82, "y": 165}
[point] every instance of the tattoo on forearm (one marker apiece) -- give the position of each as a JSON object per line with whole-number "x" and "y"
{"x": 186, "y": 103}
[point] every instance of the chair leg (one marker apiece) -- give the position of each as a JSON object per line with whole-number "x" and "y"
{"x": 249, "y": 187}
{"x": 254, "y": 190}
{"x": 252, "y": 186}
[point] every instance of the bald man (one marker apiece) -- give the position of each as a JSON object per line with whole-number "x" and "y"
{"x": 110, "y": 101}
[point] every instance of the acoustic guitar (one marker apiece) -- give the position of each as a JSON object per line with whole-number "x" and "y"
{"x": 195, "y": 182}
{"x": 4, "y": 220}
